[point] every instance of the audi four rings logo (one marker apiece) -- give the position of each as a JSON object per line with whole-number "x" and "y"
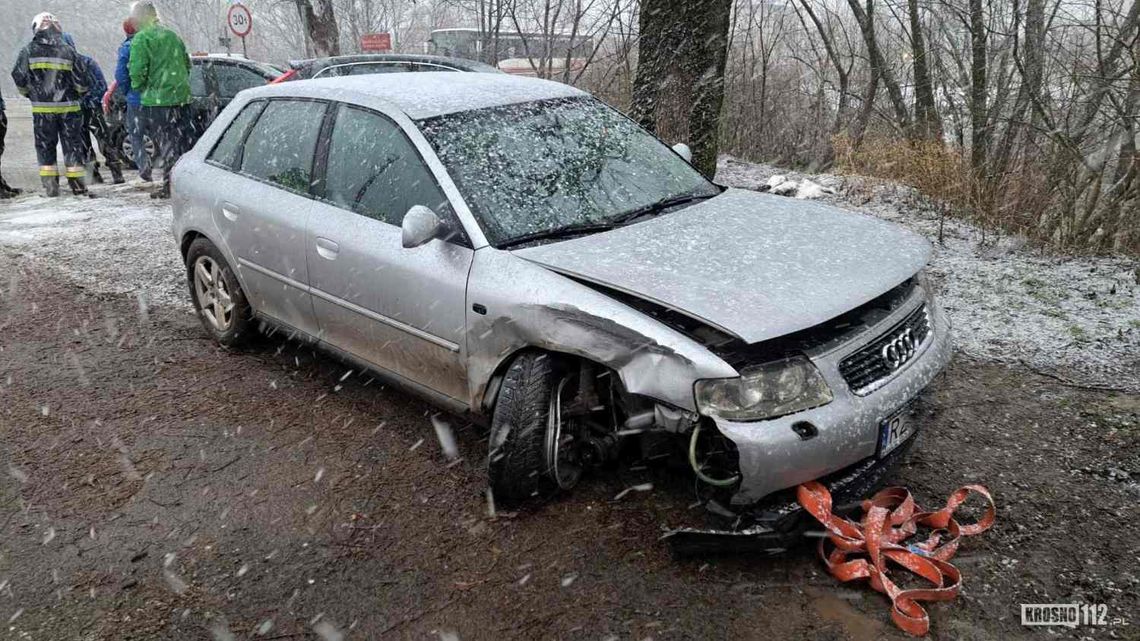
{"x": 899, "y": 349}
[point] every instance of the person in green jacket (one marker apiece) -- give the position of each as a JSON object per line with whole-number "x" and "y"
{"x": 160, "y": 71}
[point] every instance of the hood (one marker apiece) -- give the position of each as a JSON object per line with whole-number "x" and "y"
{"x": 49, "y": 37}
{"x": 753, "y": 265}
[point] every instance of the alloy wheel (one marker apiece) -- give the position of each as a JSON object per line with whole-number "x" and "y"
{"x": 214, "y": 298}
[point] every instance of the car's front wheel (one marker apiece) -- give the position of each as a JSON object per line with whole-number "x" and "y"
{"x": 534, "y": 440}
{"x": 218, "y": 298}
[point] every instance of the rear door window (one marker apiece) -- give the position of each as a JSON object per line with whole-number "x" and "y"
{"x": 233, "y": 78}
{"x": 280, "y": 147}
{"x": 374, "y": 170}
{"x": 225, "y": 153}
{"x": 198, "y": 79}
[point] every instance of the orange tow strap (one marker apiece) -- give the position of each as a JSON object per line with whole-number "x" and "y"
{"x": 889, "y": 519}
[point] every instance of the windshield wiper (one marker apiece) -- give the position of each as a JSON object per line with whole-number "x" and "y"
{"x": 652, "y": 209}
{"x": 577, "y": 229}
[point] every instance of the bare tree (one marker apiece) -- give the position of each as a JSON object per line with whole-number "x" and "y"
{"x": 927, "y": 124}
{"x": 321, "y": 30}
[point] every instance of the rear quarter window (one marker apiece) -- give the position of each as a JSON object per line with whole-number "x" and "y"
{"x": 227, "y": 151}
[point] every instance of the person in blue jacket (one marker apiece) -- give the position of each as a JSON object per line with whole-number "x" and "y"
{"x": 134, "y": 103}
{"x": 94, "y": 122}
{"x": 6, "y": 191}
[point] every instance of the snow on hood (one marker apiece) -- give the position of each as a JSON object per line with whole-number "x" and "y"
{"x": 753, "y": 265}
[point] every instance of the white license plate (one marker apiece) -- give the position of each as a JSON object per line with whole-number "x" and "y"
{"x": 895, "y": 430}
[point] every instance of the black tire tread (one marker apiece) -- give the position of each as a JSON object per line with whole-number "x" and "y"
{"x": 517, "y": 469}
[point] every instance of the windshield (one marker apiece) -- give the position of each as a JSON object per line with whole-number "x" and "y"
{"x": 543, "y": 166}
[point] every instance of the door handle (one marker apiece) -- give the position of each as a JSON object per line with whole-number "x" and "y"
{"x": 327, "y": 248}
{"x": 231, "y": 212}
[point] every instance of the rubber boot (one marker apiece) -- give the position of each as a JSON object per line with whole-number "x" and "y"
{"x": 77, "y": 186}
{"x": 8, "y": 191}
{"x": 116, "y": 174}
{"x": 51, "y": 185}
{"x": 96, "y": 177}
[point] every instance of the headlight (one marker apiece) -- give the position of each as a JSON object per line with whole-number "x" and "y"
{"x": 765, "y": 391}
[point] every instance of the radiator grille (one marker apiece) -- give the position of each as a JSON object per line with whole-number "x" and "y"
{"x": 867, "y": 366}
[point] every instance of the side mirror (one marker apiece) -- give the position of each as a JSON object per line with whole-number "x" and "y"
{"x": 682, "y": 150}
{"x": 420, "y": 226}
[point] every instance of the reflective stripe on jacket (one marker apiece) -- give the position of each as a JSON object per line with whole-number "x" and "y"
{"x": 51, "y": 74}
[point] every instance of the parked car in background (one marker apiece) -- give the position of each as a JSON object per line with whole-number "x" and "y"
{"x": 520, "y": 253}
{"x": 364, "y": 64}
{"x": 214, "y": 81}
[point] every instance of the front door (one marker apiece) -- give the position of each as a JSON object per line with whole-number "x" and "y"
{"x": 399, "y": 309}
{"x": 265, "y": 208}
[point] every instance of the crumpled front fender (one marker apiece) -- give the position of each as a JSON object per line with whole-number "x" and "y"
{"x": 528, "y": 306}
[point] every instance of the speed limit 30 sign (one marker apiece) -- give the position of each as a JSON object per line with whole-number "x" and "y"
{"x": 240, "y": 20}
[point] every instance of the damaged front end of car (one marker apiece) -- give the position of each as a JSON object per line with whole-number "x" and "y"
{"x": 751, "y": 420}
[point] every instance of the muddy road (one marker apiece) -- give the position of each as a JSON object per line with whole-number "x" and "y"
{"x": 157, "y": 487}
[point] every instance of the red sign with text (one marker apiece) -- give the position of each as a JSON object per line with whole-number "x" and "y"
{"x": 376, "y": 42}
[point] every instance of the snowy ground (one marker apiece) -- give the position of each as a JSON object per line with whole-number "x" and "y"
{"x": 1078, "y": 319}
{"x": 117, "y": 243}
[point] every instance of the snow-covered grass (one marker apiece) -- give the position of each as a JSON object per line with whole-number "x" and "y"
{"x": 1078, "y": 318}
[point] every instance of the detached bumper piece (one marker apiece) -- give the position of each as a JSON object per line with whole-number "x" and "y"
{"x": 778, "y": 522}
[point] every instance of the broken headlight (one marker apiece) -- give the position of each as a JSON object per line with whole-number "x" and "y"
{"x": 765, "y": 391}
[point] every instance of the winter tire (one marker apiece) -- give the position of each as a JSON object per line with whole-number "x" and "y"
{"x": 218, "y": 299}
{"x": 519, "y": 465}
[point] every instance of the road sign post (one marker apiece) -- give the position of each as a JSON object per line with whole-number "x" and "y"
{"x": 240, "y": 21}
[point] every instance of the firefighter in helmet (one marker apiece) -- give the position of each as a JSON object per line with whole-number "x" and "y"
{"x": 54, "y": 77}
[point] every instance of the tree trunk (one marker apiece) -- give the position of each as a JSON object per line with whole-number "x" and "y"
{"x": 979, "y": 127}
{"x": 837, "y": 62}
{"x": 708, "y": 53}
{"x": 866, "y": 20}
{"x": 653, "y": 60}
{"x": 319, "y": 19}
{"x": 926, "y": 121}
{"x": 687, "y": 39}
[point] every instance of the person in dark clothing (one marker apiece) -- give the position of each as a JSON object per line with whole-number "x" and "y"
{"x": 160, "y": 72}
{"x": 53, "y": 76}
{"x": 94, "y": 124}
{"x": 6, "y": 191}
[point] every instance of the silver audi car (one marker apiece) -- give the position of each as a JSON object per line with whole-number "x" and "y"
{"x": 518, "y": 252}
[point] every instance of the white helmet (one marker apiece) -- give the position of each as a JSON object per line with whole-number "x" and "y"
{"x": 43, "y": 21}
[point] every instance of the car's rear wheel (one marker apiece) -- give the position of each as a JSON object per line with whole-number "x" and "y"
{"x": 534, "y": 448}
{"x": 218, "y": 298}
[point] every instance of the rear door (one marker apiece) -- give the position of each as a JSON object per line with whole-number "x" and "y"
{"x": 203, "y": 96}
{"x": 231, "y": 78}
{"x": 399, "y": 309}
{"x": 266, "y": 205}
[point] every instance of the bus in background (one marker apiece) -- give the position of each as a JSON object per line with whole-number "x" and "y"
{"x": 513, "y": 52}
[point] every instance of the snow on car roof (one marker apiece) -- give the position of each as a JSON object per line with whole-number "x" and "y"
{"x": 426, "y": 94}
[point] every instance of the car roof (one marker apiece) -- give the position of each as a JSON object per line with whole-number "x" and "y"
{"x": 423, "y": 94}
{"x": 332, "y": 61}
